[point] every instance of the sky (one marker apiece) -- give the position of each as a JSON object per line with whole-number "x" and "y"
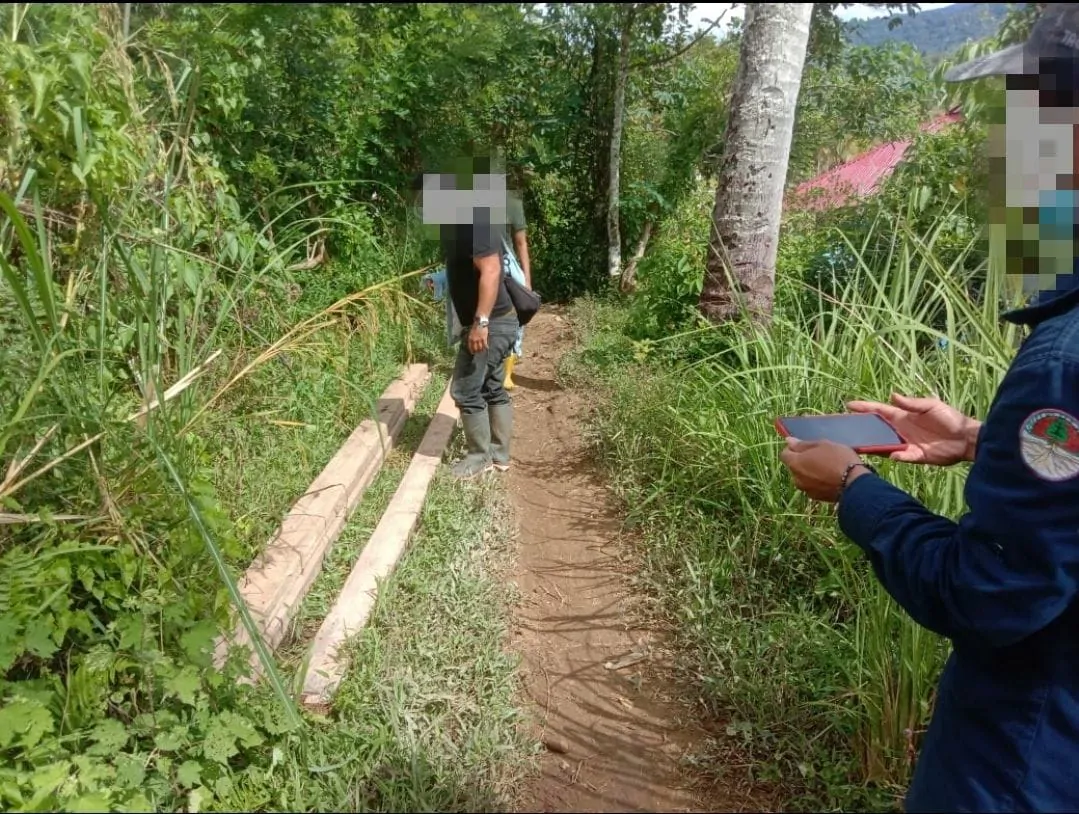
{"x": 708, "y": 11}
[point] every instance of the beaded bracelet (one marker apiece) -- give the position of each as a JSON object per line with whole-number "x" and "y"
{"x": 850, "y": 468}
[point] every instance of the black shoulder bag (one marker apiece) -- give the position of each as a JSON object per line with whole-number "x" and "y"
{"x": 526, "y": 302}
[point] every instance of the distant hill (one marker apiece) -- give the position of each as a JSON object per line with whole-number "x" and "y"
{"x": 937, "y": 32}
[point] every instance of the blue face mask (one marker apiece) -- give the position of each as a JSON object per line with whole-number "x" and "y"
{"x": 1057, "y": 213}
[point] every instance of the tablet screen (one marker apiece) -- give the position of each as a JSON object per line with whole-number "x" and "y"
{"x": 856, "y": 430}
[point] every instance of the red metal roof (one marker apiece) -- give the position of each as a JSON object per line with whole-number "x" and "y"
{"x": 860, "y": 176}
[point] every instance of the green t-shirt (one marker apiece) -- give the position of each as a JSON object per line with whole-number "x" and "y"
{"x": 515, "y": 211}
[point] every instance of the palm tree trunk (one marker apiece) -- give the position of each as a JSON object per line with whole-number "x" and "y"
{"x": 740, "y": 270}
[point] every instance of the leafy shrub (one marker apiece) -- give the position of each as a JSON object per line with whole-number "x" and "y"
{"x": 138, "y": 308}
{"x": 670, "y": 275}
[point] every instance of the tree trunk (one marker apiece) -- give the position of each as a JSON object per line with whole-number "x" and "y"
{"x": 591, "y": 177}
{"x": 629, "y": 276}
{"x": 740, "y": 271}
{"x": 614, "y": 233}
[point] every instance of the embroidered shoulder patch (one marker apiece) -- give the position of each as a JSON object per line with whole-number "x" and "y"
{"x": 1049, "y": 444}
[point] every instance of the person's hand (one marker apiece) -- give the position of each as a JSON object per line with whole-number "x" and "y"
{"x": 936, "y": 434}
{"x": 477, "y": 339}
{"x": 818, "y": 467}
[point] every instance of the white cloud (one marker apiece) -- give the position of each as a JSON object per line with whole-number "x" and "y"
{"x": 860, "y": 11}
{"x": 703, "y": 13}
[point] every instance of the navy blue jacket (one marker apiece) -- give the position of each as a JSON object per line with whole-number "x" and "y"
{"x": 1001, "y": 584}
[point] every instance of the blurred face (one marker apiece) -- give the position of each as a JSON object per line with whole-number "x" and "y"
{"x": 1032, "y": 171}
{"x": 1038, "y": 148}
{"x": 471, "y": 190}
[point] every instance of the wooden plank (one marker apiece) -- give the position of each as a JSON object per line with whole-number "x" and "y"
{"x": 277, "y": 581}
{"x": 379, "y": 557}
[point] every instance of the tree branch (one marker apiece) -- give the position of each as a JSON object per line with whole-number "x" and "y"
{"x": 679, "y": 52}
{"x": 316, "y": 255}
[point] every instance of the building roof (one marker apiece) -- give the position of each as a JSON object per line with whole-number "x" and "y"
{"x": 861, "y": 176}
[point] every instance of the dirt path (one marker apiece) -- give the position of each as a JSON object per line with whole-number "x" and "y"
{"x": 613, "y": 735}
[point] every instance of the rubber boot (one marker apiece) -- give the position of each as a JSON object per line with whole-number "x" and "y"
{"x": 501, "y": 433}
{"x": 477, "y": 460}
{"x": 511, "y": 362}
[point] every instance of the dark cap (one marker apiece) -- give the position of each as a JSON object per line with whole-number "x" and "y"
{"x": 1055, "y": 36}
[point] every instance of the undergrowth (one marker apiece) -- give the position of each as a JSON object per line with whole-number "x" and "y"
{"x": 426, "y": 718}
{"x": 821, "y": 678}
{"x": 172, "y": 376}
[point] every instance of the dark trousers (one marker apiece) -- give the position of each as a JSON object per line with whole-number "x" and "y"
{"x": 478, "y": 378}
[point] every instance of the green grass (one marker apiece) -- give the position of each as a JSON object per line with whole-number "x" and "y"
{"x": 427, "y": 717}
{"x": 296, "y": 414}
{"x": 823, "y": 681}
{"x": 448, "y": 690}
{"x": 347, "y": 548}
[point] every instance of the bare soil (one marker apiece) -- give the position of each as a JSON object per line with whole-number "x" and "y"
{"x": 614, "y": 723}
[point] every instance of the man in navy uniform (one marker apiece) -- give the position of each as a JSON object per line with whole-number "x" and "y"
{"x": 1002, "y": 583}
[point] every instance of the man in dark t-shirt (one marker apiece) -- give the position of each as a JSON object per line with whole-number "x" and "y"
{"x": 475, "y": 279}
{"x": 462, "y": 246}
